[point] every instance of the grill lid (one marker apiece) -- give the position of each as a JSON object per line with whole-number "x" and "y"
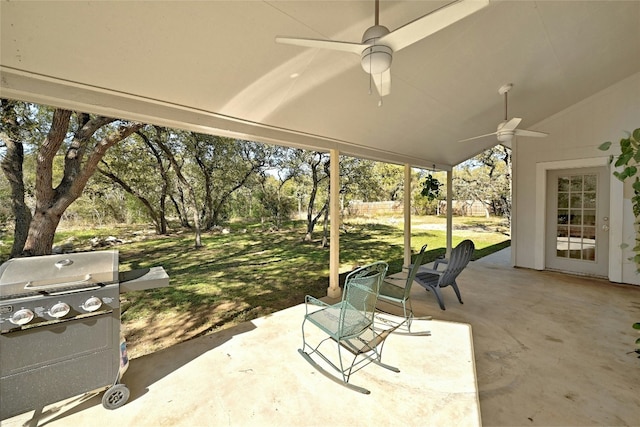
{"x": 20, "y": 276}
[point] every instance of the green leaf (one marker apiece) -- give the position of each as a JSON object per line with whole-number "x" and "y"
{"x": 630, "y": 171}
{"x": 624, "y": 158}
{"x": 605, "y": 146}
{"x": 636, "y": 325}
{"x": 624, "y": 246}
{"x": 636, "y": 134}
{"x": 636, "y": 156}
{"x": 636, "y": 184}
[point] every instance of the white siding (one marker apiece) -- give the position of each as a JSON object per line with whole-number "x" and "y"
{"x": 575, "y": 135}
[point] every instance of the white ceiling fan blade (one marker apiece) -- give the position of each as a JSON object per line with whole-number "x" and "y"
{"x": 356, "y": 48}
{"x": 383, "y": 82}
{"x": 478, "y": 137}
{"x": 431, "y": 23}
{"x": 510, "y": 125}
{"x": 524, "y": 132}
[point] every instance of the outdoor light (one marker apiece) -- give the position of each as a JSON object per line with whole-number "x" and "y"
{"x": 376, "y": 59}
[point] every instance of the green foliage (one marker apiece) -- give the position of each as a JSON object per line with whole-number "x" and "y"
{"x": 637, "y": 350}
{"x": 431, "y": 188}
{"x": 486, "y": 178}
{"x": 628, "y": 160}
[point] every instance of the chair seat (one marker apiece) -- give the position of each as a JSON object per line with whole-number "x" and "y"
{"x": 429, "y": 279}
{"x": 328, "y": 319}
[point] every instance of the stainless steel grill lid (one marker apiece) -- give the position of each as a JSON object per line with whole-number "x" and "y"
{"x": 20, "y": 276}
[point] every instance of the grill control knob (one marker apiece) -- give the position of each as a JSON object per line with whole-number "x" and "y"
{"x": 59, "y": 310}
{"x": 92, "y": 304}
{"x": 22, "y": 317}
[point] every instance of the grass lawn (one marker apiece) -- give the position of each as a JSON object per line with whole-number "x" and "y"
{"x": 253, "y": 271}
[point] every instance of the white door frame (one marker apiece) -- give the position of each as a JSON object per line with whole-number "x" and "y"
{"x": 615, "y": 215}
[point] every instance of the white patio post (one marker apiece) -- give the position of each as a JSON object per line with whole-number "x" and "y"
{"x": 407, "y": 215}
{"x": 449, "y": 212}
{"x": 334, "y": 234}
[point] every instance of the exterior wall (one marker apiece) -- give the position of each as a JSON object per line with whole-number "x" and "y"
{"x": 575, "y": 135}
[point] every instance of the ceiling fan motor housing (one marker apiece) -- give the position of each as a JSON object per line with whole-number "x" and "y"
{"x": 377, "y": 58}
{"x": 505, "y": 136}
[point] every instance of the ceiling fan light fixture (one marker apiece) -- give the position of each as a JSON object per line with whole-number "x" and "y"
{"x": 378, "y": 43}
{"x": 505, "y": 137}
{"x": 376, "y": 59}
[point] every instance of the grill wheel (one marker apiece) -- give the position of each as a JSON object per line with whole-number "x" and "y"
{"x": 115, "y": 396}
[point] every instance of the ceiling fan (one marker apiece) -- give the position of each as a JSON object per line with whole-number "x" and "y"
{"x": 378, "y": 43}
{"x": 508, "y": 128}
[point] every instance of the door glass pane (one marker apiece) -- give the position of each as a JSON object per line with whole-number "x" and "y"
{"x": 589, "y": 200}
{"x": 563, "y": 183}
{"x": 575, "y": 233}
{"x": 576, "y": 183}
{"x": 576, "y": 217}
{"x": 590, "y": 183}
{"x": 576, "y": 200}
{"x": 562, "y": 242}
{"x": 563, "y": 200}
{"x": 589, "y": 217}
{"x": 589, "y": 243}
{"x": 563, "y": 216}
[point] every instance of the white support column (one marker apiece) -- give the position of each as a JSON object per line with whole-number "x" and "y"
{"x": 407, "y": 215}
{"x": 449, "y": 212}
{"x": 334, "y": 235}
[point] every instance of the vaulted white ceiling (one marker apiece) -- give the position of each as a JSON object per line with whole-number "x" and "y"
{"x": 213, "y": 66}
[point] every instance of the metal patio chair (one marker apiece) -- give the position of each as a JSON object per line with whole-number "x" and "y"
{"x": 349, "y": 325}
{"x": 433, "y": 280}
{"x": 399, "y": 293}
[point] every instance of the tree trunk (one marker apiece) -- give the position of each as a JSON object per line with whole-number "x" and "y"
{"x": 325, "y": 226}
{"x": 42, "y": 232}
{"x": 162, "y": 214}
{"x": 81, "y": 160}
{"x": 155, "y": 217}
{"x": 12, "y": 169}
{"x": 185, "y": 183}
{"x": 180, "y": 209}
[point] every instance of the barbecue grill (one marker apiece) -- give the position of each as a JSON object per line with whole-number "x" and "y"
{"x": 60, "y": 328}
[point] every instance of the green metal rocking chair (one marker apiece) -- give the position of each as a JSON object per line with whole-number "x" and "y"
{"x": 349, "y": 325}
{"x": 394, "y": 292}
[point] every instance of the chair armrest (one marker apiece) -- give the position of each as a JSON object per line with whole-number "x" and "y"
{"x": 310, "y": 300}
{"x": 440, "y": 261}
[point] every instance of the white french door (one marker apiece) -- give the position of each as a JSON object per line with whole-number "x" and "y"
{"x": 577, "y": 230}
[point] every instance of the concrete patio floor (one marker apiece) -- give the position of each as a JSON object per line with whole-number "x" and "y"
{"x": 546, "y": 349}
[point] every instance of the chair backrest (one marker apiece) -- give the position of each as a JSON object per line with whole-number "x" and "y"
{"x": 417, "y": 262}
{"x": 359, "y": 297}
{"x": 460, "y": 257}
